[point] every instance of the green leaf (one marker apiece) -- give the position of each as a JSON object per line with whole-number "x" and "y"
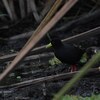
{"x": 54, "y": 61}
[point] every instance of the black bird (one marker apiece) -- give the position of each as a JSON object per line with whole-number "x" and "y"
{"x": 66, "y": 53}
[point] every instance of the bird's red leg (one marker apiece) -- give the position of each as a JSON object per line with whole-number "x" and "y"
{"x": 73, "y": 68}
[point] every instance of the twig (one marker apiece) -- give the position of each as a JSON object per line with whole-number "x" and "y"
{"x": 34, "y": 51}
{"x": 83, "y": 35}
{"x": 21, "y": 36}
{"x": 43, "y": 57}
{"x": 39, "y": 56}
{"x": 48, "y": 79}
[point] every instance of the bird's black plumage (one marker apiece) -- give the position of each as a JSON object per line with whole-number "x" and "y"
{"x": 66, "y": 53}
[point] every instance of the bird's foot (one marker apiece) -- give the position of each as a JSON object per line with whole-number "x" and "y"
{"x": 72, "y": 68}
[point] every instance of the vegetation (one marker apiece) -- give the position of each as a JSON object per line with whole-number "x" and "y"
{"x": 70, "y": 97}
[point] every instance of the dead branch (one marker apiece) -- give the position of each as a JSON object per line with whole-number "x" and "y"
{"x": 38, "y": 57}
{"x": 34, "y": 51}
{"x": 21, "y": 36}
{"x": 57, "y": 77}
{"x": 84, "y": 35}
{"x": 43, "y": 57}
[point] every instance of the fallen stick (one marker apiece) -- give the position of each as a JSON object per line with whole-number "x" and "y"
{"x": 37, "y": 50}
{"x": 84, "y": 35}
{"x": 21, "y": 55}
{"x": 57, "y": 77}
{"x": 41, "y": 57}
{"x": 21, "y": 36}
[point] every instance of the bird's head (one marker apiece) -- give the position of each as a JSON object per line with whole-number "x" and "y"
{"x": 56, "y": 42}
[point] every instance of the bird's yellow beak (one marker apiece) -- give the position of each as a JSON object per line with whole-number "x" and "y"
{"x": 49, "y": 45}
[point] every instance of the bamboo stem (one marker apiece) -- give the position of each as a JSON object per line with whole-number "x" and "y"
{"x": 50, "y": 78}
